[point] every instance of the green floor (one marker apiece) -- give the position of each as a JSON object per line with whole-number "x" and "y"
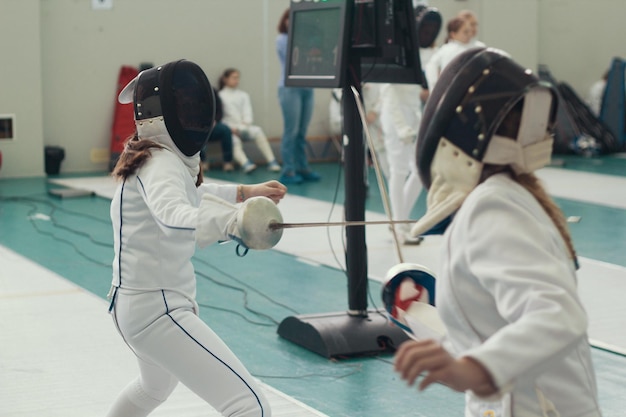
{"x": 244, "y": 299}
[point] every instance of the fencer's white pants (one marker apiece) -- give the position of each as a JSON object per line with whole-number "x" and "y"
{"x": 173, "y": 344}
{"x": 404, "y": 183}
{"x": 376, "y": 134}
{"x": 238, "y": 154}
{"x": 256, "y": 134}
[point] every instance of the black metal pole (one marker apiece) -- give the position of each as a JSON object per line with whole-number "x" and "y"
{"x": 355, "y": 192}
{"x": 354, "y": 332}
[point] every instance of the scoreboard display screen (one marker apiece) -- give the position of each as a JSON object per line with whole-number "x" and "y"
{"x": 325, "y": 34}
{"x": 317, "y": 44}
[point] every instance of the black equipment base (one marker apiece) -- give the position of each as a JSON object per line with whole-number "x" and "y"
{"x": 341, "y": 334}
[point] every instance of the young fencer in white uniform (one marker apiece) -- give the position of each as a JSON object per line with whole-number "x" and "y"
{"x": 506, "y": 286}
{"x": 400, "y": 115}
{"x": 471, "y": 18}
{"x": 370, "y": 93}
{"x": 160, "y": 212}
{"x": 459, "y": 39}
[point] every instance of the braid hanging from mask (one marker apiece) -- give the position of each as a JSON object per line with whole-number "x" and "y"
{"x": 136, "y": 153}
{"x": 531, "y": 183}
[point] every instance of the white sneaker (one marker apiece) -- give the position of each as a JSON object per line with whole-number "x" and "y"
{"x": 403, "y": 232}
{"x": 273, "y": 166}
{"x": 407, "y": 239}
{"x": 248, "y": 167}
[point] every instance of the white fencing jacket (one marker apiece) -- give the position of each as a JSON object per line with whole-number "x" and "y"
{"x": 158, "y": 217}
{"x": 237, "y": 108}
{"x": 441, "y": 58}
{"x": 507, "y": 294}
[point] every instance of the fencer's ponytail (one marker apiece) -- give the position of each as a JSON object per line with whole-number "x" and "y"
{"x": 200, "y": 177}
{"x": 136, "y": 153}
{"x": 533, "y": 185}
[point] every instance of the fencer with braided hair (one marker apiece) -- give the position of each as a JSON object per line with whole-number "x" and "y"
{"x": 516, "y": 331}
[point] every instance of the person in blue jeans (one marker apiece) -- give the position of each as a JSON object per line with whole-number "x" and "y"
{"x": 297, "y": 107}
{"x": 220, "y": 133}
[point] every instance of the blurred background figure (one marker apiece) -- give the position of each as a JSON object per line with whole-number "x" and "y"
{"x": 428, "y": 21}
{"x": 296, "y": 104}
{"x": 470, "y": 17}
{"x": 239, "y": 117}
{"x": 222, "y": 134}
{"x": 370, "y": 94}
{"x": 596, "y": 93}
{"x": 458, "y": 40}
{"x": 372, "y": 104}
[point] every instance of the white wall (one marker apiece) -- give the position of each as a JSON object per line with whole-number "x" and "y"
{"x": 83, "y": 49}
{"x": 510, "y": 25}
{"x": 66, "y": 58}
{"x": 580, "y": 38}
{"x": 20, "y": 88}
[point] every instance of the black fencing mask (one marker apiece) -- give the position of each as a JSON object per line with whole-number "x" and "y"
{"x": 178, "y": 95}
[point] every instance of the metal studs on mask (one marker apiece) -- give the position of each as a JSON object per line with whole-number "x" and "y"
{"x": 471, "y": 111}
{"x": 478, "y": 110}
{"x": 150, "y": 121}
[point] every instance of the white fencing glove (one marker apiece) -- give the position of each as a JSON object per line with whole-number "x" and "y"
{"x": 254, "y": 218}
{"x": 248, "y": 224}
